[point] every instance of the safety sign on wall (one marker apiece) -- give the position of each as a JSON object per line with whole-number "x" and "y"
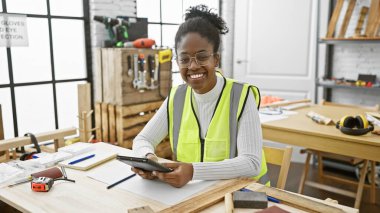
{"x": 13, "y": 30}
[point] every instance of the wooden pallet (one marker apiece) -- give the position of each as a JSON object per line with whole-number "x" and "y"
{"x": 120, "y": 124}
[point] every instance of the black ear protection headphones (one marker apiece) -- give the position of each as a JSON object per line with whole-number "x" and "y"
{"x": 29, "y": 155}
{"x": 358, "y": 125}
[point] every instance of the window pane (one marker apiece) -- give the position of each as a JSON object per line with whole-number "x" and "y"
{"x": 69, "y": 49}
{"x": 35, "y": 108}
{"x": 67, "y": 101}
{"x": 148, "y": 9}
{"x": 66, "y": 8}
{"x": 171, "y": 11}
{"x": 168, "y": 35}
{"x": 4, "y": 75}
{"x": 27, "y": 6}
{"x": 1, "y": 7}
{"x": 6, "y": 108}
{"x": 212, "y": 4}
{"x": 32, "y": 63}
{"x": 154, "y": 32}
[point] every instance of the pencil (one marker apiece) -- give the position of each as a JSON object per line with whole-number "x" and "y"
{"x": 120, "y": 181}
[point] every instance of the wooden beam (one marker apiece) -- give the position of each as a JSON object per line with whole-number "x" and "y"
{"x": 359, "y": 25}
{"x": 372, "y": 18}
{"x": 23, "y": 141}
{"x": 334, "y": 19}
{"x": 347, "y": 18}
{"x": 84, "y": 105}
{"x": 98, "y": 121}
{"x": 1, "y": 125}
{"x": 293, "y": 199}
{"x": 206, "y": 199}
{"x": 135, "y": 109}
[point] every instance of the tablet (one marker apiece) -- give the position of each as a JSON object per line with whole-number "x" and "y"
{"x": 143, "y": 163}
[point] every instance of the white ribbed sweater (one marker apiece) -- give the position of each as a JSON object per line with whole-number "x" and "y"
{"x": 249, "y": 141}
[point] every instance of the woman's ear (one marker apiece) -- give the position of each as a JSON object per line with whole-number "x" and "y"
{"x": 217, "y": 59}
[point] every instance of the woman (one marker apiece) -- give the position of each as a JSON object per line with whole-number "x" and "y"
{"x": 212, "y": 122}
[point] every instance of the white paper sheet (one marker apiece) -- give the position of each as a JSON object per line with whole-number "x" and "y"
{"x": 152, "y": 189}
{"x": 266, "y": 118}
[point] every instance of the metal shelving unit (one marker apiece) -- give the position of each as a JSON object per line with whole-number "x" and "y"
{"x": 326, "y": 85}
{"x": 330, "y": 42}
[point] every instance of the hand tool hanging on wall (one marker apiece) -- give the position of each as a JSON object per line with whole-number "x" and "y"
{"x": 157, "y": 71}
{"x": 129, "y": 60}
{"x": 136, "y": 71}
{"x": 151, "y": 68}
{"x": 142, "y": 72}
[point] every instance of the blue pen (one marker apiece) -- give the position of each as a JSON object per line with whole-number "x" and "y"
{"x": 81, "y": 159}
{"x": 272, "y": 199}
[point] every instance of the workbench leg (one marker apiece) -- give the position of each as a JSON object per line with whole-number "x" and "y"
{"x": 320, "y": 167}
{"x": 373, "y": 184}
{"x": 359, "y": 193}
{"x": 305, "y": 173}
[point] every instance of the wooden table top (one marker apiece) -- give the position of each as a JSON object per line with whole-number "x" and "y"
{"x": 300, "y": 123}
{"x": 88, "y": 195}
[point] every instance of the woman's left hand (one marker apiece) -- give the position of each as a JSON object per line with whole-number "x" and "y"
{"x": 182, "y": 173}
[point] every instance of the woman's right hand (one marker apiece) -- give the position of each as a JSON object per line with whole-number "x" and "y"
{"x": 146, "y": 174}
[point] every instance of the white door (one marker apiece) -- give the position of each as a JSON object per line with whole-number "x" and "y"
{"x": 274, "y": 49}
{"x": 274, "y": 46}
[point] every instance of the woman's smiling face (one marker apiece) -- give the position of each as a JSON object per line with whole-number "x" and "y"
{"x": 201, "y": 78}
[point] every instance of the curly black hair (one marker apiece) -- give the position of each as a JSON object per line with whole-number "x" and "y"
{"x": 200, "y": 19}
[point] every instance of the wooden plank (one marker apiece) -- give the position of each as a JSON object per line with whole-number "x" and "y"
{"x": 359, "y": 25}
{"x": 135, "y": 109}
{"x": 118, "y": 76}
{"x": 140, "y": 119}
{"x": 98, "y": 75}
{"x": 377, "y": 27}
{"x": 330, "y": 189}
{"x": 229, "y": 203}
{"x": 1, "y": 125}
{"x": 372, "y": 18}
{"x": 210, "y": 197}
{"x": 3, "y": 153}
{"x": 98, "y": 121}
{"x": 22, "y": 141}
{"x": 294, "y": 199}
{"x": 112, "y": 123}
{"x": 119, "y": 125}
{"x": 334, "y": 18}
{"x": 347, "y": 18}
{"x": 105, "y": 132}
{"x": 132, "y": 132}
{"x": 84, "y": 105}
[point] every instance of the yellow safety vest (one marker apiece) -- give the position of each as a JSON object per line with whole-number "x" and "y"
{"x": 221, "y": 137}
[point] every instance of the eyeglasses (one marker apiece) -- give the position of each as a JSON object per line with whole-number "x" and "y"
{"x": 201, "y": 58}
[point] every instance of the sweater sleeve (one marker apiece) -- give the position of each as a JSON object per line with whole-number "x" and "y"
{"x": 153, "y": 132}
{"x": 249, "y": 146}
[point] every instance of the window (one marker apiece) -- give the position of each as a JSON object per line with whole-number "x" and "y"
{"x": 38, "y": 83}
{"x": 164, "y": 18}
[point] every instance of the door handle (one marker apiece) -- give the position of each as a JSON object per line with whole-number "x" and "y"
{"x": 239, "y": 61}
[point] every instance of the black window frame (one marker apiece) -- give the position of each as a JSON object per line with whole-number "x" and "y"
{"x": 53, "y": 81}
